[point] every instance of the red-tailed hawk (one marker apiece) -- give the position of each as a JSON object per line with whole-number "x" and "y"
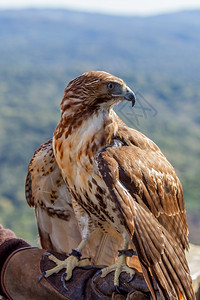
{"x": 58, "y": 229}
{"x": 121, "y": 183}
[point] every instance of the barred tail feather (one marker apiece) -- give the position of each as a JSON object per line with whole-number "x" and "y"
{"x": 162, "y": 256}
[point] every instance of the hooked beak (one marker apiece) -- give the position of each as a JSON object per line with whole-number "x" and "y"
{"x": 127, "y": 94}
{"x": 130, "y": 96}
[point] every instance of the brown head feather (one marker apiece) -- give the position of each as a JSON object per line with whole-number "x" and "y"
{"x": 86, "y": 93}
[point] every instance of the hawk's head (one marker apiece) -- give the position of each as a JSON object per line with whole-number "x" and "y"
{"x": 93, "y": 91}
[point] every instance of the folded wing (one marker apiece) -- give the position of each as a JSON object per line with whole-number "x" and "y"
{"x": 149, "y": 197}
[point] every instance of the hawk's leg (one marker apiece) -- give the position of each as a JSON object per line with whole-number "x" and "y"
{"x": 120, "y": 266}
{"x": 69, "y": 263}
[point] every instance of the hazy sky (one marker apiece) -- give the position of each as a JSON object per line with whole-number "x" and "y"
{"x": 142, "y": 7}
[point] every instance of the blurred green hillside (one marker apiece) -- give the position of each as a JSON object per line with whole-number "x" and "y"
{"x": 41, "y": 50}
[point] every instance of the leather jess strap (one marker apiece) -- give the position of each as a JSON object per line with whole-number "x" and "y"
{"x": 21, "y": 268}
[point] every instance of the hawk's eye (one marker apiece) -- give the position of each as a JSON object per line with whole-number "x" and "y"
{"x": 110, "y": 86}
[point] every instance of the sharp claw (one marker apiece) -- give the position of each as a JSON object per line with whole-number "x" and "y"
{"x": 63, "y": 280}
{"x": 41, "y": 276}
{"x": 97, "y": 275}
{"x": 117, "y": 289}
{"x": 47, "y": 253}
{"x": 131, "y": 278}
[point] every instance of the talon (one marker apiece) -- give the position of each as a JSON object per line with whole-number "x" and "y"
{"x": 47, "y": 253}
{"x": 97, "y": 275}
{"x": 69, "y": 264}
{"x": 117, "y": 289}
{"x": 119, "y": 267}
{"x": 63, "y": 280}
{"x": 131, "y": 278}
{"x": 41, "y": 276}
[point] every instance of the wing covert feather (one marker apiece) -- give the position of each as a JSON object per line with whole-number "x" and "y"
{"x": 151, "y": 180}
{"x": 158, "y": 251}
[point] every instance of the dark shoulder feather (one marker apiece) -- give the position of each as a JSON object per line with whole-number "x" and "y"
{"x": 123, "y": 167}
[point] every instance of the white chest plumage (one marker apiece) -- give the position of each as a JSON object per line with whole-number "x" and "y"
{"x": 75, "y": 156}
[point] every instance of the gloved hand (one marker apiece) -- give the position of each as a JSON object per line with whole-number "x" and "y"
{"x": 21, "y": 265}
